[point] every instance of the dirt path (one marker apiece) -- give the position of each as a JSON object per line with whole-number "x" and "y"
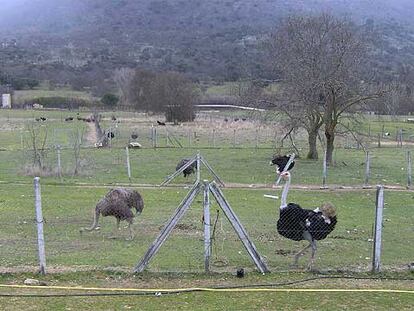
{"x": 91, "y": 134}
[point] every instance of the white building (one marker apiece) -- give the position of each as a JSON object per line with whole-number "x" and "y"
{"x": 6, "y": 101}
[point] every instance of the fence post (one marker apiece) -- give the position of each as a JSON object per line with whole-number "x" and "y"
{"x": 214, "y": 138}
{"x": 39, "y": 222}
{"x": 128, "y": 163}
{"x": 257, "y": 139}
{"x": 234, "y": 138}
{"x": 59, "y": 162}
{"x": 324, "y": 173}
{"x": 409, "y": 169}
{"x": 367, "y": 168}
{"x": 207, "y": 237}
{"x": 376, "y": 260}
{"x": 379, "y": 140}
{"x": 189, "y": 138}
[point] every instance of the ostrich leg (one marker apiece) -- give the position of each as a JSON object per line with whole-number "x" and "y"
{"x": 299, "y": 254}
{"x": 312, "y": 259}
{"x": 131, "y": 232}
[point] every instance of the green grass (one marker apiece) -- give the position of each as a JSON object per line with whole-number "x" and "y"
{"x": 24, "y": 95}
{"x": 68, "y": 206}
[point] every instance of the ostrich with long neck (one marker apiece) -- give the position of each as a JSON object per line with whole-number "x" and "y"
{"x": 118, "y": 202}
{"x": 296, "y": 223}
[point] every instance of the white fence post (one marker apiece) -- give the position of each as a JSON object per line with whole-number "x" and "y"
{"x": 39, "y": 222}
{"x": 207, "y": 237}
{"x": 376, "y": 260}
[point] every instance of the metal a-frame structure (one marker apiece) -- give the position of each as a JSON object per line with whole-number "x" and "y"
{"x": 207, "y": 188}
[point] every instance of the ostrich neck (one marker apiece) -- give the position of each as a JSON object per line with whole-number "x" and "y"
{"x": 285, "y": 191}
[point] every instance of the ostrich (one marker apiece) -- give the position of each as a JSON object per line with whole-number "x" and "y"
{"x": 160, "y": 123}
{"x": 296, "y": 223}
{"x": 189, "y": 170}
{"x": 119, "y": 203}
{"x": 281, "y": 162}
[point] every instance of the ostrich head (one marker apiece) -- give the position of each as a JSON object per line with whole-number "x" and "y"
{"x": 328, "y": 210}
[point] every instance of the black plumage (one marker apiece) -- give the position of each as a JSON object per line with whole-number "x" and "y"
{"x": 281, "y": 162}
{"x": 160, "y": 123}
{"x": 189, "y": 170}
{"x": 297, "y": 223}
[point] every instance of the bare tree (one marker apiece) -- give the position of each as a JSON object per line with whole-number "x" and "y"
{"x": 321, "y": 59}
{"x": 123, "y": 78}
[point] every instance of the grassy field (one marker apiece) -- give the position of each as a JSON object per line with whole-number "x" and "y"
{"x": 96, "y": 259}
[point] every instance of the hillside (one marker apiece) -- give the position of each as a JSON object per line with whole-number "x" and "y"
{"x": 81, "y": 42}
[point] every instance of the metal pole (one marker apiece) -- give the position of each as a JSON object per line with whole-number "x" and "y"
{"x": 257, "y": 139}
{"x": 39, "y": 222}
{"x": 128, "y": 163}
{"x": 376, "y": 260}
{"x": 325, "y": 170}
{"x": 198, "y": 166}
{"x": 214, "y": 138}
{"x": 234, "y": 138}
{"x": 207, "y": 237}
{"x": 189, "y": 138}
{"x": 409, "y": 169}
{"x": 367, "y": 168}
{"x": 155, "y": 138}
{"x": 379, "y": 140}
{"x": 59, "y": 162}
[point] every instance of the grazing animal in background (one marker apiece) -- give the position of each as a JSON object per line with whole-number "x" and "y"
{"x": 281, "y": 162}
{"x": 189, "y": 170}
{"x": 37, "y": 119}
{"x": 160, "y": 123}
{"x": 113, "y": 118}
{"x": 43, "y": 118}
{"x": 134, "y": 136}
{"x": 240, "y": 273}
{"x": 119, "y": 203}
{"x": 226, "y": 120}
{"x": 236, "y": 119}
{"x": 296, "y": 223}
{"x": 110, "y": 135}
{"x": 69, "y": 119}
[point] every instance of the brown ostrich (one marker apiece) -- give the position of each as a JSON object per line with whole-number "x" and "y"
{"x": 118, "y": 202}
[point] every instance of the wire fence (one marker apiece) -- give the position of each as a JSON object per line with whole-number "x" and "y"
{"x": 68, "y": 209}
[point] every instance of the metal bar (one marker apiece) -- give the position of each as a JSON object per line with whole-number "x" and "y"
{"x": 212, "y": 171}
{"x": 166, "y": 231}
{"x": 409, "y": 169}
{"x": 376, "y": 260}
{"x": 207, "y": 237}
{"x": 39, "y": 222}
{"x": 238, "y": 227}
{"x": 198, "y": 166}
{"x": 367, "y": 168}
{"x": 292, "y": 157}
{"x": 59, "y": 162}
{"x": 324, "y": 170}
{"x": 176, "y": 173}
{"x": 128, "y": 163}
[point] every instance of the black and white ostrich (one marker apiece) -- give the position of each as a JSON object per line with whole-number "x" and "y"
{"x": 296, "y": 223}
{"x": 189, "y": 170}
{"x": 281, "y": 161}
{"x": 118, "y": 202}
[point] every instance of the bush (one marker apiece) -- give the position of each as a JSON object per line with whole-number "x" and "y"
{"x": 109, "y": 100}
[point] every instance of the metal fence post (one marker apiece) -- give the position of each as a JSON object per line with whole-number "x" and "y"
{"x": 39, "y": 222}
{"x": 367, "y": 168}
{"x": 409, "y": 169}
{"x": 207, "y": 237}
{"x": 324, "y": 170}
{"x": 128, "y": 163}
{"x": 59, "y": 162}
{"x": 376, "y": 260}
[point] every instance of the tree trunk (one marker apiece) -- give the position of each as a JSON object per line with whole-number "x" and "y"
{"x": 313, "y": 152}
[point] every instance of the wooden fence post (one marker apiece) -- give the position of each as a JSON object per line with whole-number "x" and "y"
{"x": 376, "y": 260}
{"x": 39, "y": 222}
